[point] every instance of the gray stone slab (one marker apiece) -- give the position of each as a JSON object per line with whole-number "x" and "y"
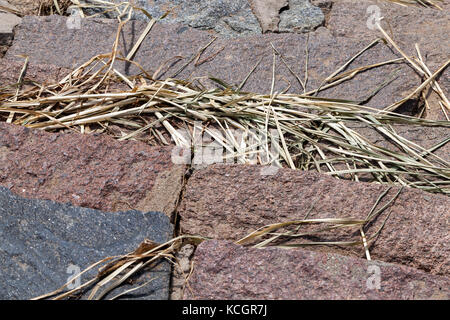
{"x": 228, "y": 18}
{"x": 301, "y": 16}
{"x": 8, "y": 20}
{"x": 41, "y": 240}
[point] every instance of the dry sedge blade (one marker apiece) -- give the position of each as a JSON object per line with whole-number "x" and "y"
{"x": 269, "y": 228}
{"x": 140, "y": 39}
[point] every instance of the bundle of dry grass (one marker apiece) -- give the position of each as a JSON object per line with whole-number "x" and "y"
{"x": 315, "y": 133}
{"x": 288, "y": 233}
{"x": 40, "y": 7}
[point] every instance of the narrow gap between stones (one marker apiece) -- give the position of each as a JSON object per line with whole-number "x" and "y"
{"x": 177, "y": 225}
{"x": 176, "y": 216}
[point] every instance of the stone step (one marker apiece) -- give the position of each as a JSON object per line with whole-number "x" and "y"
{"x": 93, "y": 171}
{"x": 43, "y": 243}
{"x": 228, "y": 202}
{"x": 348, "y": 29}
{"x": 230, "y": 60}
{"x": 225, "y": 271}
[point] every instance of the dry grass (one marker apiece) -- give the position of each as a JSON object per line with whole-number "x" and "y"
{"x": 39, "y": 7}
{"x": 266, "y": 235}
{"x": 60, "y": 7}
{"x": 424, "y": 3}
{"x": 315, "y": 134}
{"x": 114, "y": 271}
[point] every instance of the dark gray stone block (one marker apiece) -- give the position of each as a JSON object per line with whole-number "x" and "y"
{"x": 229, "y": 18}
{"x": 40, "y": 240}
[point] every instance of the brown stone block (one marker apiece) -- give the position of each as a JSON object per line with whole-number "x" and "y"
{"x": 223, "y": 270}
{"x": 94, "y": 171}
{"x": 230, "y": 60}
{"x": 228, "y": 202}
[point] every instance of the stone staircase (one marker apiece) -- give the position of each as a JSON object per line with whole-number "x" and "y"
{"x": 68, "y": 200}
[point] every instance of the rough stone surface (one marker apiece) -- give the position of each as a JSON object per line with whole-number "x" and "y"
{"x": 411, "y": 24}
{"x": 230, "y": 60}
{"x": 426, "y": 27}
{"x": 8, "y": 20}
{"x": 93, "y": 171}
{"x": 268, "y": 13}
{"x": 227, "y": 17}
{"x": 301, "y": 17}
{"x": 41, "y": 242}
{"x": 324, "y": 5}
{"x": 427, "y": 137}
{"x": 232, "y": 17}
{"x": 41, "y": 73}
{"x": 230, "y": 201}
{"x": 223, "y": 270}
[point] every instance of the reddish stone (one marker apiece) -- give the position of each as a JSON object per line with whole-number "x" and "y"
{"x": 223, "y": 270}
{"x": 41, "y": 73}
{"x": 230, "y": 60}
{"x": 228, "y": 202}
{"x": 94, "y": 171}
